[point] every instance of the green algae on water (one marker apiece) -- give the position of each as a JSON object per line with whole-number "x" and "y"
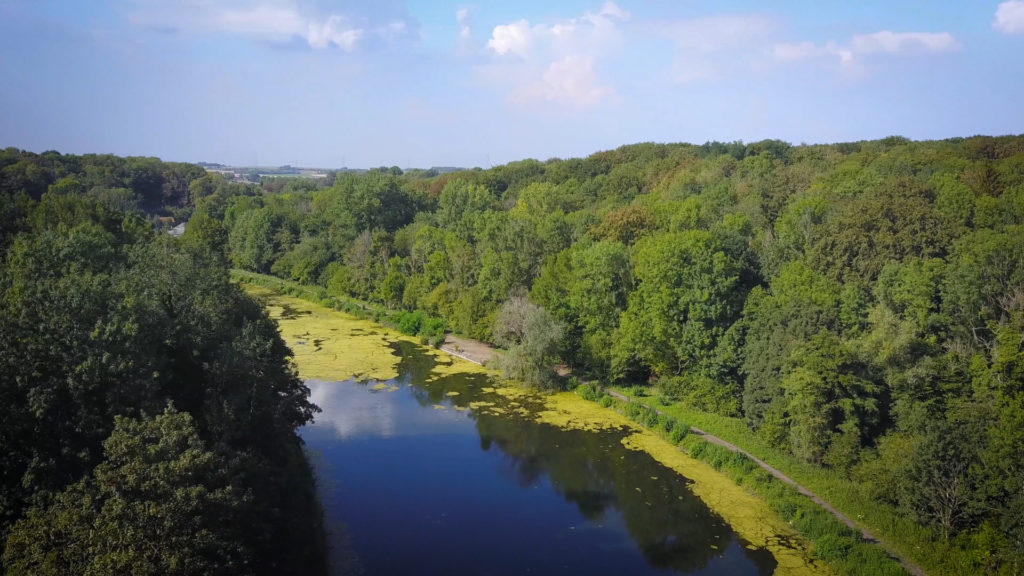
{"x": 331, "y": 345}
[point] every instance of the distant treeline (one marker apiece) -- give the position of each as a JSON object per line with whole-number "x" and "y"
{"x": 148, "y": 408}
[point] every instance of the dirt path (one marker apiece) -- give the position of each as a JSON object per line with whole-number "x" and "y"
{"x": 472, "y": 350}
{"x": 868, "y": 536}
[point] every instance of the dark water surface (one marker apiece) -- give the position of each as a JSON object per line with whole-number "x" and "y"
{"x": 441, "y": 491}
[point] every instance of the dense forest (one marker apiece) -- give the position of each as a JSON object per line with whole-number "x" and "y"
{"x": 148, "y": 408}
{"x": 860, "y": 306}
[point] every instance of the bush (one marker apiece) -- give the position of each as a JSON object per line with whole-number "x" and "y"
{"x": 678, "y": 433}
{"x": 606, "y": 401}
{"x": 651, "y": 419}
{"x": 589, "y": 392}
{"x": 634, "y": 411}
{"x": 410, "y": 322}
{"x": 639, "y": 391}
{"x": 432, "y": 330}
{"x": 667, "y": 424}
{"x": 702, "y": 393}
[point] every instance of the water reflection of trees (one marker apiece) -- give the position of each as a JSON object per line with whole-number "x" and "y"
{"x": 673, "y": 528}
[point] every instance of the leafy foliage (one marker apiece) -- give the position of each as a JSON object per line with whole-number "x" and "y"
{"x": 103, "y": 324}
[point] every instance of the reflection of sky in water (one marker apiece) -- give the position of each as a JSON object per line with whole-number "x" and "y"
{"x": 352, "y": 410}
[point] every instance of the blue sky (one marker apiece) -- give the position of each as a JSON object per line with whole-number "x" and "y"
{"x": 417, "y": 84}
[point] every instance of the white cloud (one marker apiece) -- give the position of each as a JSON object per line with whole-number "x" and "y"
{"x": 591, "y": 33}
{"x": 1010, "y": 17}
{"x": 902, "y": 42}
{"x": 511, "y": 38}
{"x": 851, "y": 55}
{"x": 276, "y": 21}
{"x": 786, "y": 52}
{"x": 333, "y": 31}
{"x": 465, "y": 31}
{"x": 707, "y": 48}
{"x": 570, "y": 80}
{"x": 557, "y": 62}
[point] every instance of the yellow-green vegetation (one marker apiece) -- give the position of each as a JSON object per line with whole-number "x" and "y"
{"x": 569, "y": 411}
{"x": 331, "y": 345}
{"x": 840, "y": 491}
{"x": 749, "y": 516}
{"x": 446, "y": 365}
{"x": 334, "y": 346}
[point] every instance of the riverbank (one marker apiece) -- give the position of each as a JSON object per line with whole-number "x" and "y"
{"x": 467, "y": 349}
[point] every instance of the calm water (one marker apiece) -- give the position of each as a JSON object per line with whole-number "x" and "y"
{"x": 441, "y": 491}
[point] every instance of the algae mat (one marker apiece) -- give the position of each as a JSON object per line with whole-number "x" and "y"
{"x": 334, "y": 346}
{"x": 748, "y": 515}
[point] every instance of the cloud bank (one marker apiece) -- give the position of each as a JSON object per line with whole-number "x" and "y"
{"x": 1010, "y": 17}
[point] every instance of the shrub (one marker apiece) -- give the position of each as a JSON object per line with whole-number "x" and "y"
{"x": 432, "y": 330}
{"x": 677, "y": 434}
{"x": 634, "y": 411}
{"x": 651, "y": 419}
{"x": 589, "y": 392}
{"x": 702, "y": 393}
{"x": 667, "y": 424}
{"x": 410, "y": 322}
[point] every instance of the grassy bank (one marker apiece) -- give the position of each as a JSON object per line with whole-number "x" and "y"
{"x": 920, "y": 544}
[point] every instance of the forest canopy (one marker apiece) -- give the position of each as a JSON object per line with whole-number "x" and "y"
{"x": 148, "y": 407}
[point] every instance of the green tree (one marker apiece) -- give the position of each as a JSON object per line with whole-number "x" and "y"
{"x": 252, "y": 242}
{"x": 832, "y": 409}
{"x": 159, "y": 503}
{"x": 686, "y": 297}
{"x": 530, "y": 336}
{"x": 798, "y": 304}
